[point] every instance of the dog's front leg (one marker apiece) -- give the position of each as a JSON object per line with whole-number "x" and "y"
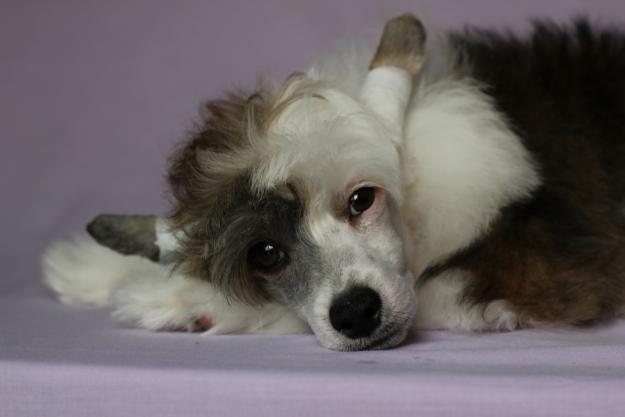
{"x": 147, "y": 293}
{"x": 440, "y": 305}
{"x": 177, "y": 302}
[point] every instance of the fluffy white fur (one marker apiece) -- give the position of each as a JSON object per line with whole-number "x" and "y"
{"x": 388, "y": 90}
{"x": 152, "y": 296}
{"x": 462, "y": 164}
{"x": 165, "y": 240}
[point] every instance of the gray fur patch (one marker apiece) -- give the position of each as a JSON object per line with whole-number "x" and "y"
{"x": 126, "y": 234}
{"x": 304, "y": 273}
{"x": 216, "y": 246}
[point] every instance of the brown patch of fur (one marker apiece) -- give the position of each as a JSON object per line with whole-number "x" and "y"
{"x": 222, "y": 135}
{"x": 402, "y": 45}
{"x": 206, "y": 170}
{"x": 209, "y": 175}
{"x": 558, "y": 257}
{"x": 566, "y": 269}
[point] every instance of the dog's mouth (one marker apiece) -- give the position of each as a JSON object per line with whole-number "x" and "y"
{"x": 389, "y": 338}
{"x": 388, "y": 335}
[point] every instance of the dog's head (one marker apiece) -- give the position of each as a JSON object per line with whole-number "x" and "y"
{"x": 294, "y": 195}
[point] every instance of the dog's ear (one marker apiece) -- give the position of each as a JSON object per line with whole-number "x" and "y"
{"x": 398, "y": 59}
{"x": 143, "y": 235}
{"x": 402, "y": 45}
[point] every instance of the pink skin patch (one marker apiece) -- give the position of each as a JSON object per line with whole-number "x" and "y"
{"x": 202, "y": 323}
{"x": 370, "y": 217}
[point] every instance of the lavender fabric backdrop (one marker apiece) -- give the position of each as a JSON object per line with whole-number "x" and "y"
{"x": 92, "y": 97}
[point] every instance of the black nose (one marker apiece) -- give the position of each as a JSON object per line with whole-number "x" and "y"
{"x": 356, "y": 312}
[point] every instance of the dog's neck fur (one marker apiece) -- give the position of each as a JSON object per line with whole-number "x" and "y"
{"x": 462, "y": 164}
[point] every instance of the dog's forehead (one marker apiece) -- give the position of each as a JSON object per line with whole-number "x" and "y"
{"x": 320, "y": 104}
{"x": 271, "y": 210}
{"x": 326, "y": 140}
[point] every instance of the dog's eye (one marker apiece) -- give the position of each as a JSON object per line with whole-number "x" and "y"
{"x": 266, "y": 256}
{"x": 361, "y": 200}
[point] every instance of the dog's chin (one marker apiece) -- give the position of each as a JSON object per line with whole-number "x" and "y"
{"x": 386, "y": 338}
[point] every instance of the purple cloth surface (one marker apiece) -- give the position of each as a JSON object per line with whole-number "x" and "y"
{"x": 92, "y": 97}
{"x": 59, "y": 360}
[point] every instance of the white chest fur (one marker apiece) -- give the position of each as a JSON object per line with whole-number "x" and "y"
{"x": 462, "y": 164}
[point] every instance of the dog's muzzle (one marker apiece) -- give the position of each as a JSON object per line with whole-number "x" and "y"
{"x": 356, "y": 312}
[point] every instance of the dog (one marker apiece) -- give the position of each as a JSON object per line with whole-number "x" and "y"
{"x": 471, "y": 182}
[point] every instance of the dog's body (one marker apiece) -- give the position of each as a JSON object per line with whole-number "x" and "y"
{"x": 498, "y": 203}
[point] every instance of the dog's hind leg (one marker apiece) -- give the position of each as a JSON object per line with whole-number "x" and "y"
{"x": 151, "y": 296}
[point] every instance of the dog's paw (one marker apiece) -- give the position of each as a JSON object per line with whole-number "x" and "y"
{"x": 173, "y": 302}
{"x": 440, "y": 305}
{"x": 166, "y": 303}
{"x": 500, "y": 315}
{"x": 200, "y": 324}
{"x": 178, "y": 316}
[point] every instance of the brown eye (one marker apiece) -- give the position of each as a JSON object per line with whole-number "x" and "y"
{"x": 361, "y": 200}
{"x": 266, "y": 256}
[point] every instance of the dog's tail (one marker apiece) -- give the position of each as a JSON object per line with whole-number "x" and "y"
{"x": 81, "y": 271}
